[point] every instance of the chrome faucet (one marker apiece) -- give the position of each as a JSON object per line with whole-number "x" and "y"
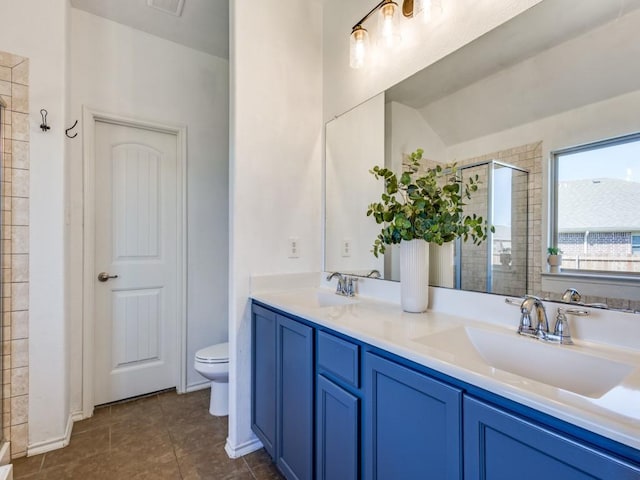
{"x": 346, "y": 285}
{"x": 561, "y": 333}
{"x": 542, "y": 328}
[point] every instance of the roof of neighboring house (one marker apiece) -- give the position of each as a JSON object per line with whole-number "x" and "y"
{"x": 599, "y": 205}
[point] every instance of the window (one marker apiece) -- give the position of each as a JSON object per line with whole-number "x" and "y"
{"x": 635, "y": 244}
{"x": 597, "y": 206}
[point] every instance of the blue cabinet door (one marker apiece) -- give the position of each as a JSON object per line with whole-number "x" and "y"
{"x": 295, "y": 399}
{"x": 337, "y": 445}
{"x": 263, "y": 404}
{"x": 412, "y": 424}
{"x": 503, "y": 446}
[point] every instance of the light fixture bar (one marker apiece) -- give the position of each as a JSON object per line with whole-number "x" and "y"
{"x": 366, "y": 17}
{"x": 388, "y": 26}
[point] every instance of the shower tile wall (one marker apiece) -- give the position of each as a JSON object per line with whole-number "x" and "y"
{"x": 14, "y": 90}
{"x": 528, "y": 157}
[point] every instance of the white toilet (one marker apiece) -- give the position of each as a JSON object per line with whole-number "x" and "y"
{"x": 213, "y": 363}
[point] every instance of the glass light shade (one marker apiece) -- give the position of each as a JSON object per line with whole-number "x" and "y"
{"x": 427, "y": 10}
{"x": 358, "y": 46}
{"x": 423, "y": 10}
{"x": 388, "y": 23}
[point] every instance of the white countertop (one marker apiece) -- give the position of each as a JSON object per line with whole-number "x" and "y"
{"x": 614, "y": 414}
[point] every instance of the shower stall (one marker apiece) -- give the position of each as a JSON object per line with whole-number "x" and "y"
{"x": 2, "y": 265}
{"x": 499, "y": 264}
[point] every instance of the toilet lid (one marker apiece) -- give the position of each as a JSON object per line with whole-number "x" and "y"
{"x": 214, "y": 354}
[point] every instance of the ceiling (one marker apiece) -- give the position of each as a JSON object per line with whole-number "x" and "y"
{"x": 204, "y": 24}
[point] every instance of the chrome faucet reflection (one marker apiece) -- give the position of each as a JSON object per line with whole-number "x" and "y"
{"x": 346, "y": 284}
{"x": 374, "y": 274}
{"x": 571, "y": 295}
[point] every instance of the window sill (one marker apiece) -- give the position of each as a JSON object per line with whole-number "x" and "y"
{"x": 592, "y": 284}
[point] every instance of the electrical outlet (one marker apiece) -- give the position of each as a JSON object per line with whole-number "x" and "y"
{"x": 294, "y": 247}
{"x": 346, "y": 247}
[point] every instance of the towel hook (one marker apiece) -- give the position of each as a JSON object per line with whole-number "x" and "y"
{"x": 43, "y": 125}
{"x": 66, "y": 132}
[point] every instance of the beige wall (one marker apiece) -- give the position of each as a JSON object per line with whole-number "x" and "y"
{"x": 14, "y": 90}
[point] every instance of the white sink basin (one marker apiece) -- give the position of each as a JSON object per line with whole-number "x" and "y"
{"x": 326, "y": 299}
{"x": 560, "y": 366}
{"x": 318, "y": 298}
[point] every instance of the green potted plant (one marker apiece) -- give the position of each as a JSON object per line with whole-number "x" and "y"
{"x": 419, "y": 208}
{"x": 554, "y": 259}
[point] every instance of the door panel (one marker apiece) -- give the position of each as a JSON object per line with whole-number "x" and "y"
{"x": 338, "y": 432}
{"x": 136, "y": 239}
{"x": 501, "y": 446}
{"x": 295, "y": 399}
{"x": 264, "y": 400}
{"x": 413, "y": 424}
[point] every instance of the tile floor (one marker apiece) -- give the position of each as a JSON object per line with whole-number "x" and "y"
{"x": 162, "y": 436}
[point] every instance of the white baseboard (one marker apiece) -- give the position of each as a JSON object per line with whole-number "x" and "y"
{"x": 237, "y": 451}
{"x": 6, "y": 472}
{"x": 198, "y": 386}
{"x": 77, "y": 416}
{"x": 56, "y": 443}
{"x": 5, "y": 454}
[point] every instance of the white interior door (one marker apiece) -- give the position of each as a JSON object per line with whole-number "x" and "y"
{"x": 136, "y": 245}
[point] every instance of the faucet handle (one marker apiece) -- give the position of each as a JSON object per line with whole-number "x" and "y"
{"x": 525, "y": 327}
{"x": 575, "y": 311}
{"x": 561, "y": 331}
{"x": 514, "y": 302}
{"x": 350, "y": 289}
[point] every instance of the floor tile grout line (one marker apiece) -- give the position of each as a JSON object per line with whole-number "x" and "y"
{"x": 250, "y": 469}
{"x": 171, "y": 437}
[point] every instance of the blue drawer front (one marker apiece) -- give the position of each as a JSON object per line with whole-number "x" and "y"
{"x": 339, "y": 357}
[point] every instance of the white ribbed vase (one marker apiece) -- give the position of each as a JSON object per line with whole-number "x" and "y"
{"x": 414, "y": 275}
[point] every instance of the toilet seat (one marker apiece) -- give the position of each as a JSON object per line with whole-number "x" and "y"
{"x": 218, "y": 353}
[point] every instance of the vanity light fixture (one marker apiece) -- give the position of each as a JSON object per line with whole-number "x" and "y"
{"x": 388, "y": 26}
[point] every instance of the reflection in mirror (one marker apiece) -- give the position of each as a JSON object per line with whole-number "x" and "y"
{"x": 354, "y": 144}
{"x": 498, "y": 265}
{"x": 551, "y": 78}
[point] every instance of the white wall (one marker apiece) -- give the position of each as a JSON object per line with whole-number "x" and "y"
{"x": 407, "y": 131}
{"x": 36, "y": 29}
{"x": 462, "y": 21}
{"x": 127, "y": 72}
{"x": 275, "y": 169}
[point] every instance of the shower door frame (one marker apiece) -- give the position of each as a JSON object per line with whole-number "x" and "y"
{"x": 458, "y": 242}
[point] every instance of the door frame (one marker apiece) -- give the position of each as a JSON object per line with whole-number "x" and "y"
{"x": 90, "y": 116}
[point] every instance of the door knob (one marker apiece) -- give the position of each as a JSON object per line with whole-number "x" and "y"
{"x": 104, "y": 276}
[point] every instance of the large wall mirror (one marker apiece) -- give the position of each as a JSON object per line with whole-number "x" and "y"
{"x": 556, "y": 76}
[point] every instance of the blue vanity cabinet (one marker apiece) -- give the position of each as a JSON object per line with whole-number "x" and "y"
{"x": 282, "y": 412}
{"x": 329, "y": 407}
{"x": 413, "y": 426}
{"x": 295, "y": 382}
{"x": 337, "y": 408}
{"x": 338, "y": 432}
{"x": 263, "y": 366}
{"x": 502, "y": 446}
